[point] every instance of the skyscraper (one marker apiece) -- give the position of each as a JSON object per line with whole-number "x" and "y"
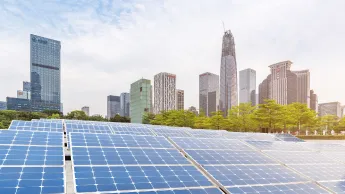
{"x": 208, "y": 93}
{"x": 303, "y": 86}
{"x": 124, "y": 103}
{"x": 45, "y": 68}
{"x": 228, "y": 74}
{"x": 140, "y": 100}
{"x": 3, "y": 105}
{"x": 179, "y": 99}
{"x": 113, "y": 106}
{"x": 26, "y": 86}
{"x": 314, "y": 103}
{"x": 86, "y": 110}
{"x": 248, "y": 86}
{"x": 331, "y": 108}
{"x": 165, "y": 92}
{"x": 265, "y": 90}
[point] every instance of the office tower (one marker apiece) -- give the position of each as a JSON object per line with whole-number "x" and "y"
{"x": 314, "y": 105}
{"x": 331, "y": 108}
{"x": 208, "y": 93}
{"x": 228, "y": 74}
{"x": 113, "y": 106}
{"x": 124, "y": 103}
{"x": 179, "y": 99}
{"x": 3, "y": 105}
{"x": 86, "y": 110}
{"x": 164, "y": 92}
{"x": 303, "y": 86}
{"x": 45, "y": 77}
{"x": 140, "y": 100}
{"x": 18, "y": 104}
{"x": 26, "y": 86}
{"x": 193, "y": 109}
{"x": 265, "y": 90}
{"x": 248, "y": 86}
{"x": 23, "y": 94}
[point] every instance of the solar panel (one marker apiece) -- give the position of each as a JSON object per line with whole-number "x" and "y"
{"x": 335, "y": 186}
{"x": 299, "y": 157}
{"x": 277, "y": 145}
{"x": 235, "y": 135}
{"x": 132, "y": 178}
{"x": 126, "y": 156}
{"x": 36, "y": 126}
{"x": 306, "y": 188}
{"x": 128, "y": 130}
{"x": 204, "y": 143}
{"x": 31, "y": 138}
{"x": 182, "y": 191}
{"x": 262, "y": 136}
{"x": 24, "y": 180}
{"x": 87, "y": 128}
{"x": 104, "y": 140}
{"x": 321, "y": 172}
{"x": 288, "y": 137}
{"x": 238, "y": 175}
{"x": 171, "y": 132}
{"x": 324, "y": 146}
{"x": 339, "y": 156}
{"x": 206, "y": 157}
{"x": 201, "y": 133}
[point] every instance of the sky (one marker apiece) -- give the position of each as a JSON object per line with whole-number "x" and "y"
{"x": 107, "y": 45}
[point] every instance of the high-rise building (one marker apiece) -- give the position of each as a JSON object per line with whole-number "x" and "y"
{"x": 45, "y": 77}
{"x": 23, "y": 94}
{"x": 86, "y": 110}
{"x": 18, "y": 104}
{"x": 26, "y": 86}
{"x": 248, "y": 86}
{"x": 140, "y": 100}
{"x": 208, "y": 93}
{"x": 124, "y": 103}
{"x": 193, "y": 109}
{"x": 179, "y": 99}
{"x": 331, "y": 108}
{"x": 113, "y": 106}
{"x": 303, "y": 86}
{"x": 164, "y": 92}
{"x": 265, "y": 90}
{"x": 314, "y": 104}
{"x": 3, "y": 105}
{"x": 228, "y": 74}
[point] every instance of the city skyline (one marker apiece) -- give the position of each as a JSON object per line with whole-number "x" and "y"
{"x": 88, "y": 61}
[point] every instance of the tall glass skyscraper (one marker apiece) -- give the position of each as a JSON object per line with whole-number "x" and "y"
{"x": 228, "y": 74}
{"x": 140, "y": 100}
{"x": 45, "y": 68}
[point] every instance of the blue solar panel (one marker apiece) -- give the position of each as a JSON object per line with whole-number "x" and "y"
{"x": 204, "y": 143}
{"x": 262, "y": 136}
{"x": 299, "y": 157}
{"x": 206, "y": 133}
{"x": 338, "y": 156}
{"x": 336, "y": 186}
{"x": 31, "y": 138}
{"x": 277, "y": 145}
{"x": 36, "y": 126}
{"x": 122, "y": 178}
{"x": 131, "y": 130}
{"x": 88, "y": 128}
{"x": 288, "y": 137}
{"x": 321, "y": 172}
{"x": 31, "y": 155}
{"x": 125, "y": 156}
{"x": 306, "y": 188}
{"x": 168, "y": 132}
{"x": 333, "y": 147}
{"x": 181, "y": 191}
{"x": 205, "y": 157}
{"x": 104, "y": 140}
{"x": 25, "y": 180}
{"x": 252, "y": 174}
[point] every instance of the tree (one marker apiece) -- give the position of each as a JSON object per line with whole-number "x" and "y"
{"x": 54, "y": 116}
{"x": 241, "y": 117}
{"x": 201, "y": 121}
{"x": 77, "y": 115}
{"x": 341, "y": 125}
{"x": 300, "y": 114}
{"x": 120, "y": 119}
{"x": 148, "y": 117}
{"x": 268, "y": 114}
{"x": 285, "y": 120}
{"x": 329, "y": 122}
{"x": 97, "y": 118}
{"x": 217, "y": 120}
{"x": 51, "y": 112}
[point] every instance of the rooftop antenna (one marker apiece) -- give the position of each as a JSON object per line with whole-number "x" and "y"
{"x": 223, "y": 26}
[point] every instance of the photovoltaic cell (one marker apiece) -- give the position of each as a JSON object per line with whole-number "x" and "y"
{"x": 31, "y": 138}
{"x": 235, "y": 135}
{"x": 200, "y": 133}
{"x": 252, "y": 174}
{"x": 261, "y": 136}
{"x": 206, "y": 157}
{"x": 299, "y": 157}
{"x": 277, "y": 145}
{"x": 88, "y": 128}
{"x": 36, "y": 126}
{"x": 204, "y": 143}
{"x": 336, "y": 186}
{"x": 126, "y": 156}
{"x": 330, "y": 147}
{"x": 322, "y": 172}
{"x": 339, "y": 156}
{"x": 288, "y": 137}
{"x": 130, "y": 178}
{"x": 306, "y": 188}
{"x": 171, "y": 132}
{"x": 25, "y": 180}
{"x": 182, "y": 191}
{"x": 127, "y": 130}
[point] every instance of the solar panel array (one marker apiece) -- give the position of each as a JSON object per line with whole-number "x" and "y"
{"x": 136, "y": 158}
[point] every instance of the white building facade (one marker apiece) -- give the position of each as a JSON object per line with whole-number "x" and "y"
{"x": 164, "y": 92}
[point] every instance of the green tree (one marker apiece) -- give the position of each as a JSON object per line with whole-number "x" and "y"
{"x": 285, "y": 120}
{"x": 148, "y": 117}
{"x": 300, "y": 114}
{"x": 201, "y": 121}
{"x": 217, "y": 120}
{"x": 97, "y": 118}
{"x": 341, "y": 125}
{"x": 2, "y": 126}
{"x": 329, "y": 122}
{"x": 241, "y": 117}
{"x": 120, "y": 119}
{"x": 54, "y": 116}
{"x": 269, "y": 114}
{"x": 77, "y": 115}
{"x": 51, "y": 112}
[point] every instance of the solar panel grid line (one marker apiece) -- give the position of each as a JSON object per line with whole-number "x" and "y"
{"x": 197, "y": 190}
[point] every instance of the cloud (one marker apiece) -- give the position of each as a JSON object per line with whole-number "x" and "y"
{"x": 107, "y": 45}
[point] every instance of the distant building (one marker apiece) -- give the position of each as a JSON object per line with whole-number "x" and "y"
{"x": 124, "y": 104}
{"x": 45, "y": 77}
{"x": 26, "y": 86}
{"x": 331, "y": 108}
{"x": 208, "y": 93}
{"x": 303, "y": 86}
{"x": 140, "y": 100}
{"x": 314, "y": 104}
{"x": 193, "y": 109}
{"x": 86, "y": 110}
{"x": 113, "y": 106}
{"x": 228, "y": 74}
{"x": 164, "y": 92}
{"x": 179, "y": 99}
{"x": 18, "y": 104}
{"x": 248, "y": 86}
{"x": 3, "y": 105}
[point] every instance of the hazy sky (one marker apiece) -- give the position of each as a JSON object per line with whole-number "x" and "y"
{"x": 107, "y": 45}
